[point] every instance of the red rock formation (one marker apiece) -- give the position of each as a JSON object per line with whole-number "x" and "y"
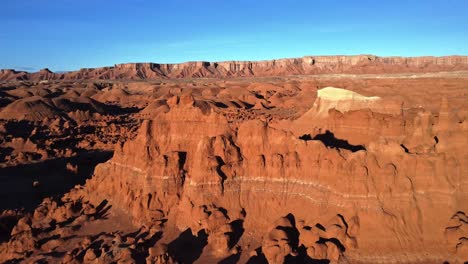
{"x": 220, "y": 171}
{"x": 390, "y": 194}
{"x": 280, "y": 67}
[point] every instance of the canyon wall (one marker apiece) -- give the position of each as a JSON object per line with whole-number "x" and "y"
{"x": 392, "y": 197}
{"x": 281, "y": 67}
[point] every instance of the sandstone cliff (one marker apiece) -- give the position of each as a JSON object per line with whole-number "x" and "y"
{"x": 281, "y": 67}
{"x": 387, "y": 200}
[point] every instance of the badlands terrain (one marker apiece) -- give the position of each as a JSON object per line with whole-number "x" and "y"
{"x": 333, "y": 159}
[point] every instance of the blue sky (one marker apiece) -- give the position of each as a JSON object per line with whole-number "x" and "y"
{"x": 72, "y": 34}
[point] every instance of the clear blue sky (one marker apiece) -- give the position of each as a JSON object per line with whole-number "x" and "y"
{"x": 71, "y": 34}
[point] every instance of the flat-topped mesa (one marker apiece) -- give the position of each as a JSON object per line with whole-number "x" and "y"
{"x": 339, "y": 60}
{"x": 424, "y": 60}
{"x": 358, "y": 64}
{"x": 343, "y": 100}
{"x": 332, "y": 93}
{"x": 358, "y": 118}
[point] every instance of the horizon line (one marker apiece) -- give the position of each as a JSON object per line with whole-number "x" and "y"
{"x": 22, "y": 69}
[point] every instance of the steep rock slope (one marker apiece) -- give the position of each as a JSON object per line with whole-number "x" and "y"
{"x": 393, "y": 201}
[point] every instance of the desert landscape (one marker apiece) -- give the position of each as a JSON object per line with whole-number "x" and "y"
{"x": 319, "y": 159}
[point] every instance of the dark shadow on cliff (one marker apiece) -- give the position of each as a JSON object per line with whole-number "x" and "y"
{"x": 7, "y": 222}
{"x": 292, "y": 232}
{"x": 237, "y": 231}
{"x": 330, "y": 141}
{"x": 300, "y": 255}
{"x": 233, "y": 259}
{"x": 404, "y": 148}
{"x": 220, "y": 172}
{"x": 141, "y": 252}
{"x": 102, "y": 210}
{"x": 22, "y": 128}
{"x": 303, "y": 258}
{"x": 187, "y": 248}
{"x": 52, "y": 179}
{"x": 220, "y": 105}
{"x": 333, "y": 240}
{"x": 259, "y": 258}
{"x": 116, "y": 109}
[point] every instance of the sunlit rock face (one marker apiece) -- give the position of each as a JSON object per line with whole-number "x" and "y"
{"x": 342, "y": 100}
{"x": 247, "y": 170}
{"x": 358, "y": 118}
{"x": 391, "y": 188}
{"x": 296, "y": 66}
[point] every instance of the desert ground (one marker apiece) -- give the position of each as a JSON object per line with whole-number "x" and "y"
{"x": 344, "y": 160}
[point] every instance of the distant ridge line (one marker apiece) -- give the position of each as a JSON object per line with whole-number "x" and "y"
{"x": 353, "y": 64}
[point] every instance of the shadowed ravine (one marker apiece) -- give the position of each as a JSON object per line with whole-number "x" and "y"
{"x": 52, "y": 176}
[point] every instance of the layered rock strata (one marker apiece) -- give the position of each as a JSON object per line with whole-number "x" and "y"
{"x": 280, "y": 67}
{"x": 399, "y": 197}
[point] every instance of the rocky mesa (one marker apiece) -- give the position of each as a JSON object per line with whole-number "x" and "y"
{"x": 360, "y": 64}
